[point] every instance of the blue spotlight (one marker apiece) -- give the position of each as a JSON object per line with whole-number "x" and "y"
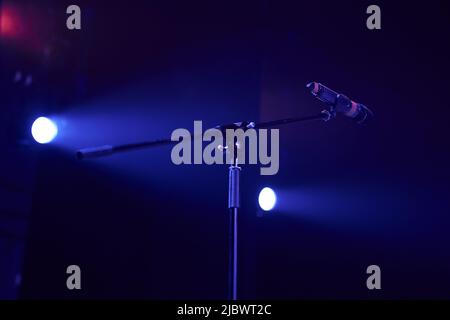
{"x": 44, "y": 130}
{"x": 267, "y": 199}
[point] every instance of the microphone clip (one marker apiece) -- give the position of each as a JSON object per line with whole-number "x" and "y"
{"x": 328, "y": 114}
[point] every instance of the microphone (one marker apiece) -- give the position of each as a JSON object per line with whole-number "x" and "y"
{"x": 340, "y": 103}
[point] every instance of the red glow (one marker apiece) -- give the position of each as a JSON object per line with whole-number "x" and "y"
{"x": 22, "y": 27}
{"x": 9, "y": 23}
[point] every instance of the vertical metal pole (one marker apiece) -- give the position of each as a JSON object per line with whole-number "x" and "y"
{"x": 233, "y": 206}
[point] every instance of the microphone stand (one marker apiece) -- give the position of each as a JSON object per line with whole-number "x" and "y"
{"x": 233, "y": 207}
{"x": 233, "y": 179}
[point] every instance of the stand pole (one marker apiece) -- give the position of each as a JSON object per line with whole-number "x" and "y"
{"x": 233, "y": 207}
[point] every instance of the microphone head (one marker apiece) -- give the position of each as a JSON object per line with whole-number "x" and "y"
{"x": 322, "y": 92}
{"x": 313, "y": 87}
{"x": 339, "y": 103}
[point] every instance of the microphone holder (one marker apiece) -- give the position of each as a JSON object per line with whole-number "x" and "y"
{"x": 233, "y": 179}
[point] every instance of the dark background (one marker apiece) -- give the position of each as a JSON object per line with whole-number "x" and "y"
{"x": 140, "y": 227}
